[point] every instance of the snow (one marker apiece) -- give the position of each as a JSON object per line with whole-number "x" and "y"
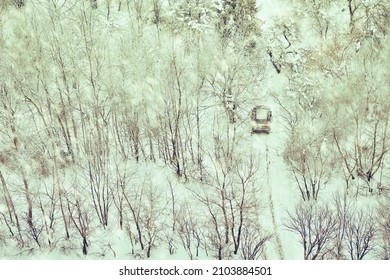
{"x": 138, "y": 70}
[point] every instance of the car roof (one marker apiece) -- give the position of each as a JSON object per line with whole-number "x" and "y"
{"x": 261, "y": 107}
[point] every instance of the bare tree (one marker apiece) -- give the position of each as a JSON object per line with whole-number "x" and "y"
{"x": 343, "y": 209}
{"x": 363, "y": 16}
{"x": 243, "y": 204}
{"x": 308, "y": 152}
{"x": 318, "y": 14}
{"x": 310, "y": 163}
{"x": 11, "y": 209}
{"x": 187, "y": 227}
{"x": 359, "y": 233}
{"x": 80, "y": 217}
{"x": 172, "y": 115}
{"x": 253, "y": 243}
{"x": 133, "y": 200}
{"x": 316, "y": 226}
{"x": 153, "y": 210}
{"x": 21, "y": 153}
{"x": 231, "y": 199}
{"x": 363, "y": 143}
{"x": 147, "y": 208}
{"x": 99, "y": 179}
{"x": 384, "y": 228}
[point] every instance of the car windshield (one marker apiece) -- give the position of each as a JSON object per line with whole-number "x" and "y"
{"x": 261, "y": 114}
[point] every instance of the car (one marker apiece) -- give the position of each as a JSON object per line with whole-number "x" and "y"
{"x": 261, "y": 117}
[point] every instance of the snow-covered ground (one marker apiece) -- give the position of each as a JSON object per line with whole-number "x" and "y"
{"x": 119, "y": 109}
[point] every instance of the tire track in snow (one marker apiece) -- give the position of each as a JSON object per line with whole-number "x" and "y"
{"x": 271, "y": 205}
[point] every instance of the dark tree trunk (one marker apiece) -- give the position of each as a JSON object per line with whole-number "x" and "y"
{"x": 85, "y": 246}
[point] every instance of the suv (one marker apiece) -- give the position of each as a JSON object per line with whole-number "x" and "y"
{"x": 261, "y": 118}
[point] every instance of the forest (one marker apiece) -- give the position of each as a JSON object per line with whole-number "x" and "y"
{"x": 127, "y": 129}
